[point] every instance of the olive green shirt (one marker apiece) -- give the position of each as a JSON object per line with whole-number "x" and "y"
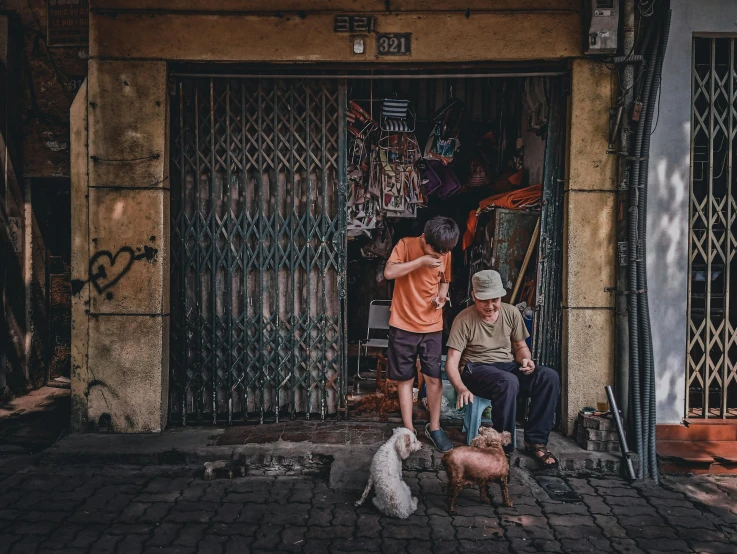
{"x": 481, "y": 342}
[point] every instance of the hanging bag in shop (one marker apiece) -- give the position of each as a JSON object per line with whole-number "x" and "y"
{"x": 439, "y": 179}
{"x": 443, "y": 143}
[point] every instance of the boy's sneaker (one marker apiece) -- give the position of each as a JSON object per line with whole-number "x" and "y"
{"x": 440, "y": 439}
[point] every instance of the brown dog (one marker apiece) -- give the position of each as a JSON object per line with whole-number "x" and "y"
{"x": 478, "y": 464}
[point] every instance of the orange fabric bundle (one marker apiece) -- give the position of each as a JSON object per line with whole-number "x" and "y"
{"x": 515, "y": 200}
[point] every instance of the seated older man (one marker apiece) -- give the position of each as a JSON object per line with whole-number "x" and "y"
{"x": 487, "y": 344}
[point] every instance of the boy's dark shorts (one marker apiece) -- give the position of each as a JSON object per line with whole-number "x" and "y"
{"x": 405, "y": 347}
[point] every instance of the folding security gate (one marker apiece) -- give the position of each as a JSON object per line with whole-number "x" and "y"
{"x": 257, "y": 172}
{"x": 711, "y": 373}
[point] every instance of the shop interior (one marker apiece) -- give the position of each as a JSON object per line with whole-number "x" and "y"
{"x": 472, "y": 149}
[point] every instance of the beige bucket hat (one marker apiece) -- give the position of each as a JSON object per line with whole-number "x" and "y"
{"x": 487, "y": 285}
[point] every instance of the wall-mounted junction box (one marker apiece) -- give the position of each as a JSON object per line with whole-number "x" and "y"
{"x": 601, "y": 24}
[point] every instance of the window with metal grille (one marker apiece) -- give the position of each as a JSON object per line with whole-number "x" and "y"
{"x": 711, "y": 373}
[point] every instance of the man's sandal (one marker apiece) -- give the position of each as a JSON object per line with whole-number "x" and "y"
{"x": 535, "y": 449}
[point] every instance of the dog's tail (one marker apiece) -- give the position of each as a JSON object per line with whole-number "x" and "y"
{"x": 366, "y": 491}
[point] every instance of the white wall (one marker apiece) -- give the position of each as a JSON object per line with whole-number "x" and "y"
{"x": 668, "y": 209}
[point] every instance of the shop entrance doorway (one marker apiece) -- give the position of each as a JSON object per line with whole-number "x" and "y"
{"x": 275, "y": 217}
{"x": 497, "y": 144}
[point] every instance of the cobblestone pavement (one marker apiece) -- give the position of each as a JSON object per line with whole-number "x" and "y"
{"x": 77, "y": 509}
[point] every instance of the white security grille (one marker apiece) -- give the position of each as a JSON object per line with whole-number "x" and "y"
{"x": 712, "y": 313}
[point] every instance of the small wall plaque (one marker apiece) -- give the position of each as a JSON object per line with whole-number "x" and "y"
{"x": 394, "y": 44}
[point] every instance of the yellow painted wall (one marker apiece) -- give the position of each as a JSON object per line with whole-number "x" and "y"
{"x": 589, "y": 242}
{"x": 290, "y": 31}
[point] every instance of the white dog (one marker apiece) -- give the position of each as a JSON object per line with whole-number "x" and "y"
{"x": 393, "y": 496}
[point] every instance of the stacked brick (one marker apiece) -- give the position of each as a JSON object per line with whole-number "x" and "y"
{"x": 596, "y": 433}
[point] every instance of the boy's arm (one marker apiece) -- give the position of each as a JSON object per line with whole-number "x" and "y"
{"x": 394, "y": 270}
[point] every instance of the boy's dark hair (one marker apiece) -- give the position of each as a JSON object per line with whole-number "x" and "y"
{"x": 441, "y": 233}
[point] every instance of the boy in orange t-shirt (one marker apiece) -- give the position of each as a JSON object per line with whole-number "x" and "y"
{"x": 421, "y": 268}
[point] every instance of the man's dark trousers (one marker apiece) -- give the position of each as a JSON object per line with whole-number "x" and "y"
{"x": 501, "y": 382}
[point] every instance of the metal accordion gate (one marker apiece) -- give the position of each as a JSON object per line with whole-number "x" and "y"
{"x": 711, "y": 372}
{"x": 257, "y": 171}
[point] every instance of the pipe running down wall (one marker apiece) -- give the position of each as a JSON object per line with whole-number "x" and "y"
{"x": 646, "y": 86}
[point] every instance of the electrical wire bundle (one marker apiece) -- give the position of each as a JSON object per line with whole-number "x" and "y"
{"x": 651, "y": 50}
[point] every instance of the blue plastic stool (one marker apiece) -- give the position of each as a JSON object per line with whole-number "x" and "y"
{"x": 474, "y": 418}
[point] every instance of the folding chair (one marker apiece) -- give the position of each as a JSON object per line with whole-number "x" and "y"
{"x": 378, "y": 320}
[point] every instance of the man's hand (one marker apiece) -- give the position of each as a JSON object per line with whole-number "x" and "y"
{"x": 431, "y": 261}
{"x": 439, "y": 301}
{"x": 527, "y": 366}
{"x": 464, "y": 397}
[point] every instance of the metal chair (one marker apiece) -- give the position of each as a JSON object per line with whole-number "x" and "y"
{"x": 378, "y": 320}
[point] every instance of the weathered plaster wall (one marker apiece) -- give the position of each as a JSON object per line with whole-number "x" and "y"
{"x": 289, "y": 31}
{"x": 121, "y": 197}
{"x": 668, "y": 206}
{"x": 589, "y": 242}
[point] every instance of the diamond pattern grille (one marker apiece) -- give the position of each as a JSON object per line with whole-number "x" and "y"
{"x": 711, "y": 374}
{"x": 258, "y": 249}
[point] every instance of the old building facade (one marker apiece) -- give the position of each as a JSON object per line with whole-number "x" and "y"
{"x": 121, "y": 170}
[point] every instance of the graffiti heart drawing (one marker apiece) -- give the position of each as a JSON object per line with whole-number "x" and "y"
{"x": 107, "y": 269}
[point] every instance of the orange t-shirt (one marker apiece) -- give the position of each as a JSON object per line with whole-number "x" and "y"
{"x": 413, "y": 308}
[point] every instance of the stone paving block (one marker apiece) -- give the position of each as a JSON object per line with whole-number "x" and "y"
{"x": 164, "y": 534}
{"x": 638, "y": 510}
{"x": 547, "y": 545}
{"x": 238, "y": 545}
{"x": 7, "y": 541}
{"x": 406, "y": 533}
{"x": 353, "y": 545}
{"x": 367, "y": 525}
{"x": 87, "y": 535}
{"x": 34, "y": 527}
{"x": 392, "y": 546}
{"x": 106, "y": 544}
{"x": 26, "y": 545}
{"x": 131, "y": 528}
{"x": 190, "y": 535}
{"x": 61, "y": 538}
{"x": 652, "y": 532}
{"x": 597, "y": 506}
{"x": 418, "y": 547}
{"x": 155, "y": 497}
{"x": 168, "y": 550}
{"x": 625, "y": 546}
{"x": 227, "y": 513}
{"x": 320, "y": 516}
{"x": 156, "y": 511}
{"x": 713, "y": 547}
{"x": 236, "y": 529}
{"x": 281, "y": 518}
{"x": 212, "y": 544}
{"x": 131, "y": 543}
{"x": 344, "y": 514}
{"x": 55, "y": 516}
{"x": 333, "y": 532}
{"x": 667, "y": 544}
{"x": 564, "y": 509}
{"x": 133, "y": 512}
{"x": 190, "y": 516}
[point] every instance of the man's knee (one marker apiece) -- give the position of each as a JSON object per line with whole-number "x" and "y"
{"x": 548, "y": 377}
{"x": 508, "y": 383}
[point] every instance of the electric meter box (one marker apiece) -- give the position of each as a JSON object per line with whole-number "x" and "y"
{"x": 601, "y": 26}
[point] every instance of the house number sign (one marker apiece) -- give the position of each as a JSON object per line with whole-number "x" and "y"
{"x": 393, "y": 44}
